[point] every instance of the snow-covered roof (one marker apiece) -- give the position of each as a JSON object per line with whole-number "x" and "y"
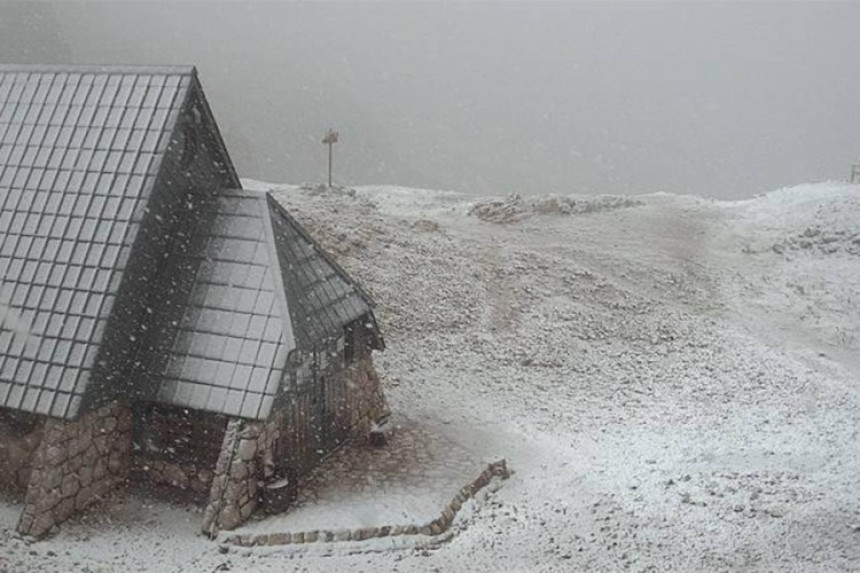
{"x": 261, "y": 287}
{"x": 81, "y": 151}
{"x": 129, "y": 267}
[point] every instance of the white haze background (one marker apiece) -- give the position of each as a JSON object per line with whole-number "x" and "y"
{"x": 718, "y": 99}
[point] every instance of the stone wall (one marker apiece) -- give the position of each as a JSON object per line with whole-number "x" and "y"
{"x": 233, "y": 493}
{"x": 367, "y": 403}
{"x": 20, "y": 435}
{"x": 75, "y": 464}
{"x": 247, "y": 457}
{"x": 250, "y": 448}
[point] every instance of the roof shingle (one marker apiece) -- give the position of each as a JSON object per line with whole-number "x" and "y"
{"x": 79, "y": 150}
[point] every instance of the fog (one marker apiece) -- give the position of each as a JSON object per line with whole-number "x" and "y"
{"x": 723, "y": 100}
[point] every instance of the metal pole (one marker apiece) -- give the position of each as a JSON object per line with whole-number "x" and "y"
{"x": 330, "y": 139}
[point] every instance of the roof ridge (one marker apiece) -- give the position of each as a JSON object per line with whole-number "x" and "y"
{"x": 282, "y": 211}
{"x": 101, "y": 68}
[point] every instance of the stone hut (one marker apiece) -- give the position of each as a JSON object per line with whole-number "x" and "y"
{"x": 157, "y": 321}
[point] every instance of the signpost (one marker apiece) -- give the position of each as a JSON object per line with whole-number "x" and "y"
{"x": 330, "y": 139}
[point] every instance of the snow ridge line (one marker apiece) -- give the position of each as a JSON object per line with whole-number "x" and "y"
{"x": 437, "y": 526}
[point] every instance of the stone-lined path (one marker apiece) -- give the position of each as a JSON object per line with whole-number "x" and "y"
{"x": 436, "y": 527}
{"x": 408, "y": 481}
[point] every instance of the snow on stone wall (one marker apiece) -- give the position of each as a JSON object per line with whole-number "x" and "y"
{"x": 75, "y": 464}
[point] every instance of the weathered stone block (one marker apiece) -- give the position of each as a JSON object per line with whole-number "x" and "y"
{"x": 55, "y": 454}
{"x": 239, "y": 471}
{"x": 343, "y": 535}
{"x": 175, "y": 476}
{"x": 218, "y": 483}
{"x": 85, "y": 495}
{"x": 205, "y": 476}
{"x": 64, "y": 509}
{"x": 311, "y": 536}
{"x": 42, "y": 524}
{"x": 279, "y": 539}
{"x": 71, "y": 485}
{"x": 229, "y": 517}
{"x": 250, "y": 431}
{"x": 118, "y": 464}
{"x": 85, "y": 476}
{"x": 209, "y": 515}
{"x": 365, "y": 533}
{"x": 52, "y": 477}
{"x": 53, "y": 432}
{"x": 47, "y": 500}
{"x": 25, "y": 523}
{"x": 247, "y": 449}
{"x": 99, "y": 469}
{"x": 101, "y": 443}
{"x": 90, "y": 454}
{"x": 246, "y": 509}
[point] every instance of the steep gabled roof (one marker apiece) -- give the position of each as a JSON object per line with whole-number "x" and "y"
{"x": 227, "y": 345}
{"x": 261, "y": 288}
{"x": 80, "y": 150}
{"x": 321, "y": 297}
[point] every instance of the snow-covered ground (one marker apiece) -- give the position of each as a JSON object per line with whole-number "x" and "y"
{"x": 673, "y": 380}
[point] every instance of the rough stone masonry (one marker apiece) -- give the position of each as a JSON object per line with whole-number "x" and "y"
{"x": 75, "y": 464}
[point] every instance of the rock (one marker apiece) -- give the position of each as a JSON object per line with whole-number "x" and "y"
{"x": 426, "y": 225}
{"x": 71, "y": 485}
{"x": 174, "y": 475}
{"x": 55, "y": 454}
{"x": 53, "y": 476}
{"x": 239, "y": 471}
{"x": 279, "y": 539}
{"x": 247, "y": 449}
{"x": 775, "y": 511}
{"x": 229, "y": 517}
{"x": 118, "y": 464}
{"x": 364, "y": 533}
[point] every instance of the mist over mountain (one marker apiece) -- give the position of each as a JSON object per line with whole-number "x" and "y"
{"x": 717, "y": 99}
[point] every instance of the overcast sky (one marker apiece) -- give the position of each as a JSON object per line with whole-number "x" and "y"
{"x": 717, "y": 99}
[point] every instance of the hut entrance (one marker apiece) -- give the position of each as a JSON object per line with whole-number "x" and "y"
{"x": 177, "y": 447}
